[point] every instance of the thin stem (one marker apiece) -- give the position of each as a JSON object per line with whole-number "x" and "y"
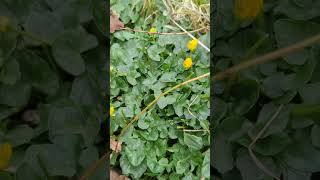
{"x": 254, "y": 158}
{"x": 194, "y": 130}
{"x": 266, "y": 58}
{"x": 162, "y": 33}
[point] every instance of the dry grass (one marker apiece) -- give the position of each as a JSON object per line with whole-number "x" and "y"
{"x": 196, "y": 14}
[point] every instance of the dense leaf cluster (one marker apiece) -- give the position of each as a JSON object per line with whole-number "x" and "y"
{"x": 52, "y": 86}
{"x": 142, "y": 67}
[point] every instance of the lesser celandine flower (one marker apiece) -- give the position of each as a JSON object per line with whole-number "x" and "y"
{"x": 192, "y": 45}
{"x": 187, "y": 63}
{"x": 153, "y": 30}
{"x": 247, "y": 9}
{"x": 5, "y": 155}
{"x": 111, "y": 110}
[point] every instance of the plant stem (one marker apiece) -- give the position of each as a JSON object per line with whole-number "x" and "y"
{"x": 162, "y": 33}
{"x": 254, "y": 158}
{"x": 267, "y": 58}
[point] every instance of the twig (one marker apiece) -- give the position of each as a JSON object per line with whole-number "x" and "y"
{"x": 254, "y": 158}
{"x": 162, "y": 33}
{"x": 222, "y": 75}
{"x": 267, "y": 57}
{"x": 194, "y": 130}
{"x": 191, "y": 105}
{"x": 204, "y": 46}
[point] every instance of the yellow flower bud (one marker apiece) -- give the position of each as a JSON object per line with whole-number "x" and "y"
{"x": 5, "y": 155}
{"x": 247, "y": 9}
{"x": 111, "y": 110}
{"x": 4, "y": 24}
{"x": 187, "y": 63}
{"x": 153, "y": 30}
{"x": 192, "y": 44}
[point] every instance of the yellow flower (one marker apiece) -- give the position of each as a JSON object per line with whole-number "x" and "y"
{"x": 247, "y": 9}
{"x": 111, "y": 110}
{"x": 5, "y": 155}
{"x": 192, "y": 44}
{"x": 153, "y": 30}
{"x": 4, "y": 24}
{"x": 187, "y": 63}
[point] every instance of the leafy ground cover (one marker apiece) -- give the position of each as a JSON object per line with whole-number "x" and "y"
{"x": 284, "y": 92}
{"x": 172, "y": 140}
{"x": 52, "y": 86}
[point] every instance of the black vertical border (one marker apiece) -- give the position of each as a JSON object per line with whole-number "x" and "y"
{"x": 213, "y": 6}
{"x": 107, "y": 97}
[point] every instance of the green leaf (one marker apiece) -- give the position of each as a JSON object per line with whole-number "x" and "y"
{"x": 205, "y": 169}
{"x": 277, "y": 125}
{"x": 193, "y": 142}
{"x": 168, "y": 77}
{"x": 87, "y": 157}
{"x": 272, "y": 85}
{"x": 307, "y": 9}
{"x": 128, "y": 169}
{"x": 37, "y": 23}
{"x": 299, "y": 79}
{"x": 38, "y": 72}
{"x": 160, "y": 147}
{"x": 301, "y": 155}
{"x": 246, "y": 93}
{"x": 249, "y": 170}
{"x": 16, "y": 95}
{"x": 309, "y": 93}
{"x": 154, "y": 51}
{"x": 21, "y": 134}
{"x": 135, "y": 157}
{"x": 289, "y": 31}
{"x": 270, "y": 145}
{"x": 84, "y": 92}
{"x": 27, "y": 171}
{"x": 52, "y": 158}
{"x": 182, "y": 166}
{"x": 67, "y": 48}
{"x": 10, "y": 73}
{"x": 6, "y": 112}
{"x": 222, "y": 156}
{"x": 165, "y": 101}
{"x": 8, "y": 42}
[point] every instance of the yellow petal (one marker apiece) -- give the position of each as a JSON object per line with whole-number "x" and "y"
{"x": 5, "y": 155}
{"x": 187, "y": 63}
{"x": 248, "y": 9}
{"x": 153, "y": 30}
{"x": 192, "y": 44}
{"x": 111, "y": 110}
